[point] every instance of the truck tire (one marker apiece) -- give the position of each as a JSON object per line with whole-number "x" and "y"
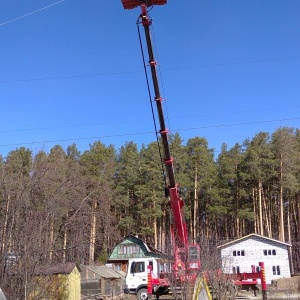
{"x": 142, "y": 294}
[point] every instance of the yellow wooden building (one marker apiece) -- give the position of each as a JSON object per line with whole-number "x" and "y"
{"x": 56, "y": 282}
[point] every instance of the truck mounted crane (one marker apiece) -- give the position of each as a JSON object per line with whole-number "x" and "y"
{"x": 148, "y": 276}
{"x": 186, "y": 257}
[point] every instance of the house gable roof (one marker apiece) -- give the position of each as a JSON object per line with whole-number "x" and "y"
{"x": 250, "y": 236}
{"x": 131, "y": 239}
{"x": 137, "y": 240}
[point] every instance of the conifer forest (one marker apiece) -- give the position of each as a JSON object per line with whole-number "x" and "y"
{"x": 65, "y": 205}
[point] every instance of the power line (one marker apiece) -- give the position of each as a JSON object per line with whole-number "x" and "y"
{"x": 76, "y": 139}
{"x": 31, "y": 13}
{"x": 236, "y": 63}
{"x": 146, "y": 133}
{"x": 238, "y": 112}
{"x": 238, "y": 124}
{"x": 136, "y": 71}
{"x": 68, "y": 77}
{"x": 146, "y": 120}
{"x": 67, "y": 126}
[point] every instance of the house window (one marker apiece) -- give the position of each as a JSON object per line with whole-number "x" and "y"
{"x": 236, "y": 270}
{"x": 239, "y": 253}
{"x": 129, "y": 249}
{"x": 270, "y": 252}
{"x": 276, "y": 270}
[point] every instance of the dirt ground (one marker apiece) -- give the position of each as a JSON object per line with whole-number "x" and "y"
{"x": 284, "y": 288}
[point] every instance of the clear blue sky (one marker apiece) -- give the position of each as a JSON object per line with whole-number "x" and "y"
{"x": 71, "y": 71}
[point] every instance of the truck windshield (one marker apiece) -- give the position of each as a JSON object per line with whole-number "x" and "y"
{"x": 137, "y": 267}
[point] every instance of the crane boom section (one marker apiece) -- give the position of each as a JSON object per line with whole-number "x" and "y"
{"x": 186, "y": 263}
{"x": 176, "y": 202}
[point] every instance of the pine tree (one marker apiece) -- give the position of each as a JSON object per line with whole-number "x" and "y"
{"x": 286, "y": 152}
{"x": 202, "y": 173}
{"x": 258, "y": 164}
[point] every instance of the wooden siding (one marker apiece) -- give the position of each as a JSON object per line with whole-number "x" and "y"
{"x": 74, "y": 285}
{"x": 57, "y": 287}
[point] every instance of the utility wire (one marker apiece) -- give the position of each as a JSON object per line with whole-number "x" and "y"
{"x": 160, "y": 78}
{"x": 68, "y": 77}
{"x": 76, "y": 139}
{"x": 148, "y": 132}
{"x": 145, "y": 120}
{"x": 236, "y": 63}
{"x": 136, "y": 71}
{"x": 138, "y": 22}
{"x": 31, "y": 13}
{"x": 237, "y": 124}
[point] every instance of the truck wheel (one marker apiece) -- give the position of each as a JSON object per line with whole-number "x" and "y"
{"x": 142, "y": 294}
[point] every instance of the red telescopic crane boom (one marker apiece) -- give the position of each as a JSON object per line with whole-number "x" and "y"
{"x": 184, "y": 253}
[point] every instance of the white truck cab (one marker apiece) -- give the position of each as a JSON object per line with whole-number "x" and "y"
{"x": 137, "y": 278}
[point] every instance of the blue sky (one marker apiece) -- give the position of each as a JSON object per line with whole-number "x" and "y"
{"x": 71, "y": 71}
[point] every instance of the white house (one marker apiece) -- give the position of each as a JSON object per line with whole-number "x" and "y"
{"x": 240, "y": 255}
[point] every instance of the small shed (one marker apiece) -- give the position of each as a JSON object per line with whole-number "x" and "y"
{"x": 240, "y": 255}
{"x": 58, "y": 281}
{"x": 131, "y": 247}
{"x": 101, "y": 280}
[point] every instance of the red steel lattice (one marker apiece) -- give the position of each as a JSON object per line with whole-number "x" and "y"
{"x": 129, "y": 4}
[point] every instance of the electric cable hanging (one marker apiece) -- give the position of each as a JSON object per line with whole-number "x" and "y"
{"x": 150, "y": 99}
{"x": 163, "y": 92}
{"x": 160, "y": 78}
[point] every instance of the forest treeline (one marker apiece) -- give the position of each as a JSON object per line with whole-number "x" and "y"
{"x": 70, "y": 206}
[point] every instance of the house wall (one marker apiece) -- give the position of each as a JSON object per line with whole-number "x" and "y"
{"x": 253, "y": 250}
{"x": 74, "y": 285}
{"x": 59, "y": 286}
{"x": 49, "y": 287}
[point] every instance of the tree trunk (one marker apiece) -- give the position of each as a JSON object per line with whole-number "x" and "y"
{"x": 163, "y": 231}
{"x": 65, "y": 242}
{"x": 51, "y": 242}
{"x": 290, "y": 241}
{"x": 260, "y": 208}
{"x": 93, "y": 232}
{"x": 195, "y": 205}
{"x": 254, "y": 210}
{"x": 267, "y": 216}
{"x": 281, "y": 219}
{"x": 4, "y": 229}
{"x": 226, "y": 227}
{"x": 155, "y": 227}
